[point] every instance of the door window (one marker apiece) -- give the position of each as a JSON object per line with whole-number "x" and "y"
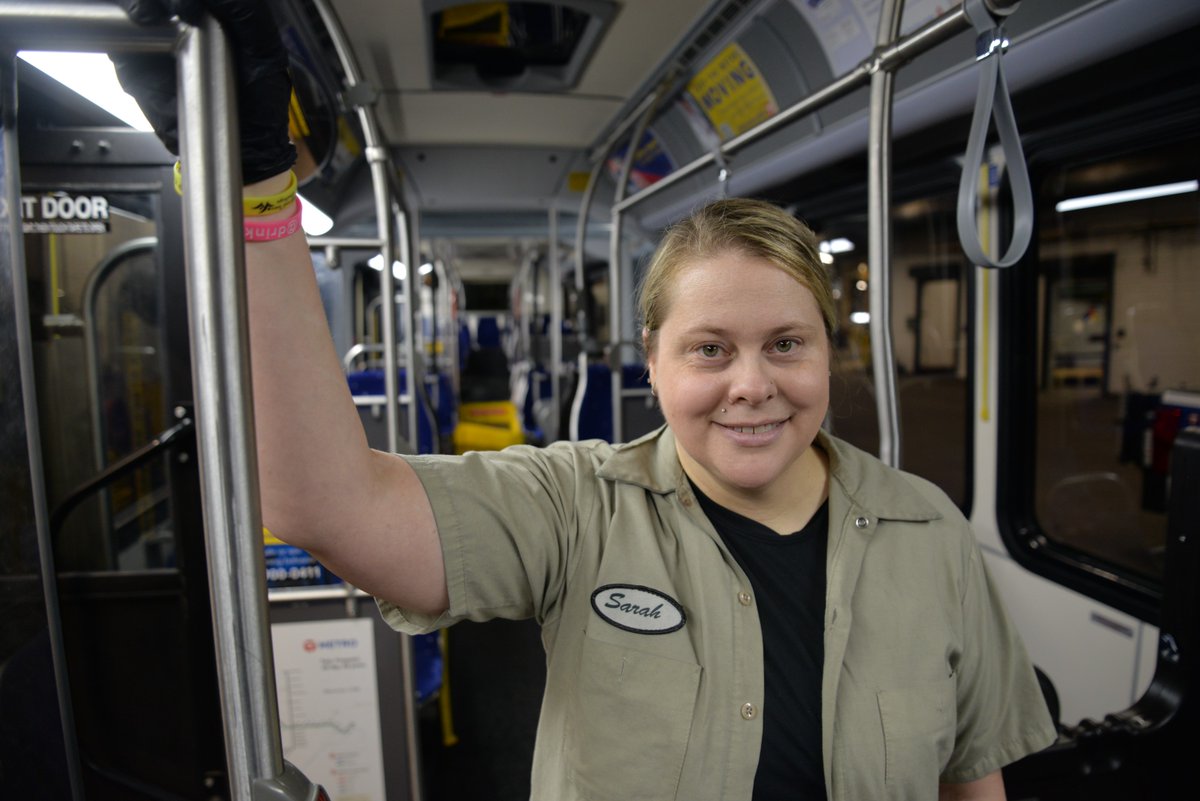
{"x": 99, "y": 352}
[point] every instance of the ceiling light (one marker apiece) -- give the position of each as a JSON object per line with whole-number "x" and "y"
{"x": 91, "y": 75}
{"x": 1126, "y": 195}
{"x": 860, "y": 318}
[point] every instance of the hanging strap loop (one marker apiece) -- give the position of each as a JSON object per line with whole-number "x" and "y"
{"x": 991, "y": 102}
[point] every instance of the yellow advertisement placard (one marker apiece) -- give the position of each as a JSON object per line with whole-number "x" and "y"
{"x": 732, "y": 93}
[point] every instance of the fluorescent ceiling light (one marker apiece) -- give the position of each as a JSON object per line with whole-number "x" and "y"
{"x": 314, "y": 221}
{"x": 1127, "y": 195}
{"x": 91, "y": 75}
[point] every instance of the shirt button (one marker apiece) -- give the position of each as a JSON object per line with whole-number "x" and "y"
{"x": 749, "y": 711}
{"x": 744, "y": 598}
{"x": 862, "y": 522}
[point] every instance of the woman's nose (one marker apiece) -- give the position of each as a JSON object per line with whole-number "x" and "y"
{"x": 751, "y": 382}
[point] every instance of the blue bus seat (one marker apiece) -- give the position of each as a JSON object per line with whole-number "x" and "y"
{"x": 371, "y": 382}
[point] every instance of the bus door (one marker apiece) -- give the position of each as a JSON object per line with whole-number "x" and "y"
{"x": 108, "y": 329}
{"x": 161, "y": 693}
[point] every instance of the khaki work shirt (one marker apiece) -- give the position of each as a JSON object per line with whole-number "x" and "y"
{"x": 654, "y": 650}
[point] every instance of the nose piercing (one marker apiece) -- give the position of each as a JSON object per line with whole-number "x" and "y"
{"x": 722, "y": 411}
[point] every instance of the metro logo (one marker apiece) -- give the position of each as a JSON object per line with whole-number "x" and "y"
{"x": 329, "y": 645}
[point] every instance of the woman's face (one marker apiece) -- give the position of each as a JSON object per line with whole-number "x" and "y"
{"x": 741, "y": 369}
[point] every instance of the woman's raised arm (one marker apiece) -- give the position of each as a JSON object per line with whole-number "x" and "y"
{"x": 363, "y": 513}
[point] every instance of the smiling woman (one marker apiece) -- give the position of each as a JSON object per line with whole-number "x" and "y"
{"x": 737, "y": 528}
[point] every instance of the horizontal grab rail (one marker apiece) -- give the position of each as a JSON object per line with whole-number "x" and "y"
{"x": 77, "y": 27}
{"x": 886, "y": 58}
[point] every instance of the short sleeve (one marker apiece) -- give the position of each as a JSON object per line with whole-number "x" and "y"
{"x": 1002, "y": 714}
{"x": 506, "y": 520}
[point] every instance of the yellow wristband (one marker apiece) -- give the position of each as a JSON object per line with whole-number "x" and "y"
{"x": 258, "y": 206}
{"x": 255, "y": 206}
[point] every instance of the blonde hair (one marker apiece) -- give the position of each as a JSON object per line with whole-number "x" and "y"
{"x": 741, "y": 225}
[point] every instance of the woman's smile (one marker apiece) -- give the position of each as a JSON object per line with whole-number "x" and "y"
{"x": 754, "y": 433}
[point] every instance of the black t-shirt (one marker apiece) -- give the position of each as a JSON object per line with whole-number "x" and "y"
{"x": 787, "y": 575}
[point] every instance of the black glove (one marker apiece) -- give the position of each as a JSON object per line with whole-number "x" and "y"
{"x": 263, "y": 85}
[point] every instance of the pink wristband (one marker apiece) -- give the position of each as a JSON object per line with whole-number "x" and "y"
{"x": 269, "y": 230}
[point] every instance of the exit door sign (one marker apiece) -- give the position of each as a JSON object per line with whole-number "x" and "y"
{"x": 64, "y": 213}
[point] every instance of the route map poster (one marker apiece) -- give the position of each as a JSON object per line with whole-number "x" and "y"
{"x": 325, "y": 680}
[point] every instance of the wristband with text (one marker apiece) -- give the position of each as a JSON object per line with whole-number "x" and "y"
{"x": 255, "y": 206}
{"x": 270, "y": 230}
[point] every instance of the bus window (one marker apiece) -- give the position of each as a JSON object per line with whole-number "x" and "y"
{"x": 1118, "y": 373}
{"x": 930, "y": 324}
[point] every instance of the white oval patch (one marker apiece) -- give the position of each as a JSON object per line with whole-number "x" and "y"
{"x": 638, "y": 609}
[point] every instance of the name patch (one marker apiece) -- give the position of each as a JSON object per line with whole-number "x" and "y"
{"x": 638, "y": 609}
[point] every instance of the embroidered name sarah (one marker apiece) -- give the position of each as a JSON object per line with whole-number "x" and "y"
{"x": 642, "y": 610}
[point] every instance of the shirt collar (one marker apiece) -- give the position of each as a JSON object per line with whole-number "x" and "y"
{"x": 652, "y": 463}
{"x": 874, "y": 487}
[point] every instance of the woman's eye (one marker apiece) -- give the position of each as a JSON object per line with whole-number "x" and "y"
{"x": 785, "y": 345}
{"x": 710, "y": 350}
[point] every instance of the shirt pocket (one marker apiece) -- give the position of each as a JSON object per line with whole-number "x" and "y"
{"x": 918, "y": 736}
{"x": 630, "y": 721}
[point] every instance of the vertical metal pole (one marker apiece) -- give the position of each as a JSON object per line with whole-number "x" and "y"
{"x": 879, "y": 235}
{"x": 383, "y": 177}
{"x": 614, "y": 273}
{"x": 387, "y": 293}
{"x": 409, "y": 255}
{"x": 12, "y": 261}
{"x": 582, "y": 323}
{"x": 224, "y": 408}
{"x": 614, "y": 322}
{"x": 585, "y": 208}
{"x": 405, "y": 225}
{"x": 556, "y": 316}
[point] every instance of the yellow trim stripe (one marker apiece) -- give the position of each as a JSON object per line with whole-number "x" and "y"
{"x": 985, "y": 357}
